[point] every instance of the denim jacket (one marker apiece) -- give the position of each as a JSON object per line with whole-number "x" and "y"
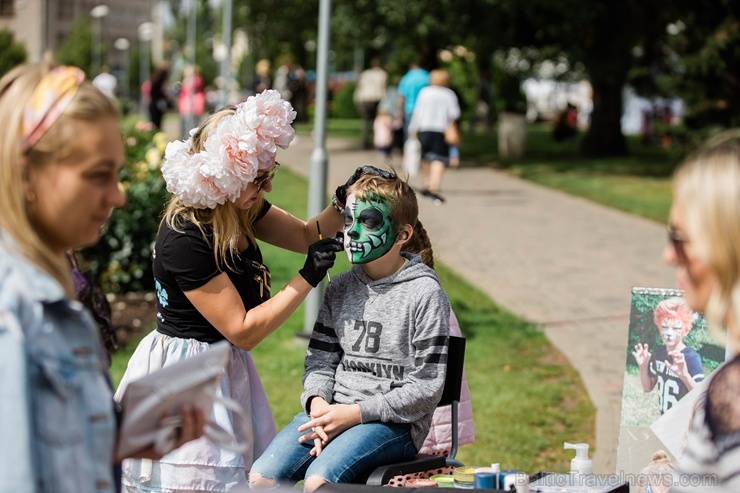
{"x": 57, "y": 427}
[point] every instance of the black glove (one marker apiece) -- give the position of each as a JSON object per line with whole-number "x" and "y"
{"x": 320, "y": 258}
{"x": 341, "y": 191}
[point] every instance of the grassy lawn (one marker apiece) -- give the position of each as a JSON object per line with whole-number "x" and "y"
{"x": 336, "y": 127}
{"x": 527, "y": 399}
{"x": 638, "y": 184}
{"x": 639, "y": 408}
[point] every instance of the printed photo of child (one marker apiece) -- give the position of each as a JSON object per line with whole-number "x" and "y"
{"x": 673, "y": 367}
{"x": 669, "y": 351}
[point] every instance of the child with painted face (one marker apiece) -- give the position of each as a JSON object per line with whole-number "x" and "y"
{"x": 375, "y": 365}
{"x": 674, "y": 367}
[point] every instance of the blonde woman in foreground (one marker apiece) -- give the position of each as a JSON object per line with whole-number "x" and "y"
{"x": 60, "y": 154}
{"x": 704, "y": 234}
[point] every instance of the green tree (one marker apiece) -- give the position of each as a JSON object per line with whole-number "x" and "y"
{"x": 599, "y": 35}
{"x": 77, "y": 48}
{"x": 401, "y": 31}
{"x": 278, "y": 31}
{"x": 705, "y": 46}
{"x": 610, "y": 43}
{"x": 689, "y": 49}
{"x": 206, "y": 25}
{"x": 12, "y": 52}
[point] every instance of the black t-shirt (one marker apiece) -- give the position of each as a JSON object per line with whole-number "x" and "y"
{"x": 183, "y": 262}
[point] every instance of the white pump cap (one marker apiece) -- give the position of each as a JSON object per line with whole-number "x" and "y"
{"x": 580, "y": 464}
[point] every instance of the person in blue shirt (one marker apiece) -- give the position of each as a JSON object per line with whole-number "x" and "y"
{"x": 57, "y": 422}
{"x": 409, "y": 87}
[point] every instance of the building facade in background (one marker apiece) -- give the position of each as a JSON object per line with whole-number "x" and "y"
{"x": 44, "y": 24}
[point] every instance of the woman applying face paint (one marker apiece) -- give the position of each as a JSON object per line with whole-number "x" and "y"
{"x": 704, "y": 248}
{"x": 213, "y": 283}
{"x": 374, "y": 368}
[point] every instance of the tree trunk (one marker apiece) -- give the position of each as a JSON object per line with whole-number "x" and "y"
{"x": 604, "y": 136}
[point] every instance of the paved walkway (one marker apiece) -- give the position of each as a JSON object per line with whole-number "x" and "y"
{"x": 563, "y": 263}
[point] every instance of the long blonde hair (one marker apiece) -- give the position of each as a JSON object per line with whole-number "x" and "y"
{"x": 707, "y": 187}
{"x": 58, "y": 142}
{"x": 226, "y": 221}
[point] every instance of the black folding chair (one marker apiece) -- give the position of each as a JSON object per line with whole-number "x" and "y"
{"x": 450, "y": 396}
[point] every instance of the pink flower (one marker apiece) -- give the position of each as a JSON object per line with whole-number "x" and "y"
{"x": 234, "y": 152}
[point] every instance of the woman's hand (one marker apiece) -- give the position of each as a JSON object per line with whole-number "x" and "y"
{"x": 320, "y": 259}
{"x": 341, "y": 191}
{"x": 192, "y": 421}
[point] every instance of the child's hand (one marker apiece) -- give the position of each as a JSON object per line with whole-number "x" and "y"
{"x": 331, "y": 420}
{"x": 642, "y": 355}
{"x": 679, "y": 364}
{"x": 319, "y": 437}
{"x": 318, "y": 442}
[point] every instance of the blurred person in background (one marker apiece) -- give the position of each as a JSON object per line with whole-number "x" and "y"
{"x": 409, "y": 87}
{"x": 368, "y": 93}
{"x": 436, "y": 109}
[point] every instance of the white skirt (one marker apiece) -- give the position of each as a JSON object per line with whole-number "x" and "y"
{"x": 199, "y": 465}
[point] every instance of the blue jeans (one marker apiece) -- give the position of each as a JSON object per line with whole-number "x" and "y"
{"x": 357, "y": 450}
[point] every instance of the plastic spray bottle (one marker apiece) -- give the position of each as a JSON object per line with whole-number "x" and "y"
{"x": 580, "y": 464}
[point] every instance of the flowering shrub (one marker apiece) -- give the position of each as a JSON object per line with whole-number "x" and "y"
{"x": 122, "y": 257}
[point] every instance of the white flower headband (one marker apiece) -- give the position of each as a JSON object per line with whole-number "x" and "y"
{"x": 239, "y": 146}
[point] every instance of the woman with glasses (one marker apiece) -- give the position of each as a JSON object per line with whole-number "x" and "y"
{"x": 704, "y": 248}
{"x": 212, "y": 283}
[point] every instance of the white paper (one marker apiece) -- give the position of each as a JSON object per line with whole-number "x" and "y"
{"x": 191, "y": 382}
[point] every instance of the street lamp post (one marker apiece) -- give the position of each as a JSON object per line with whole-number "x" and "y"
{"x": 191, "y": 33}
{"x": 122, "y": 45}
{"x": 145, "y": 31}
{"x": 319, "y": 158}
{"x": 97, "y": 13}
{"x": 226, "y": 61}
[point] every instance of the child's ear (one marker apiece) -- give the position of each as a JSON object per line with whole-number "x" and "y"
{"x": 405, "y": 233}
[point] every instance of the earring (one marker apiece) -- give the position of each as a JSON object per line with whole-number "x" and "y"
{"x": 30, "y": 201}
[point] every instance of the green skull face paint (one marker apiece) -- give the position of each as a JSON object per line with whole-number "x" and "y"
{"x": 368, "y": 230}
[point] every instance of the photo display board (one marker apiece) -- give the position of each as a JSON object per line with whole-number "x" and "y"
{"x": 678, "y": 353}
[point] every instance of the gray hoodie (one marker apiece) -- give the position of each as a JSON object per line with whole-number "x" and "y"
{"x": 383, "y": 345}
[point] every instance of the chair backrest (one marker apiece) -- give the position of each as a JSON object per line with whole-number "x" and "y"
{"x": 453, "y": 380}
{"x": 450, "y": 396}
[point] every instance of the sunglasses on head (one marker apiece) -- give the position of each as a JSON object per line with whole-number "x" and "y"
{"x": 262, "y": 181}
{"x": 678, "y": 241}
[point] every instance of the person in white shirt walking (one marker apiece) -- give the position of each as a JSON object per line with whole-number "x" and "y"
{"x": 106, "y": 82}
{"x": 368, "y": 93}
{"x": 436, "y": 109}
